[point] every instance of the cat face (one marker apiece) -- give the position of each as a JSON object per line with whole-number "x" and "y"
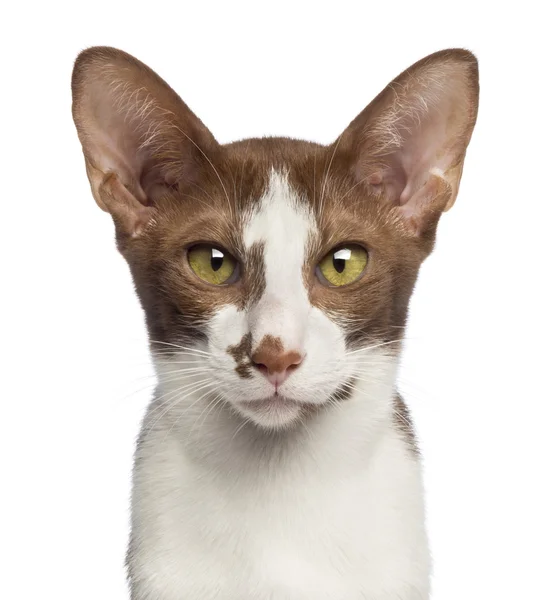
{"x": 275, "y": 274}
{"x": 279, "y": 337}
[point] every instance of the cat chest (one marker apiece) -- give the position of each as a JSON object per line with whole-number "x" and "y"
{"x": 292, "y": 541}
{"x": 317, "y": 528}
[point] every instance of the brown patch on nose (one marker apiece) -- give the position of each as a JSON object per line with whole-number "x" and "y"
{"x": 240, "y": 353}
{"x": 271, "y": 354}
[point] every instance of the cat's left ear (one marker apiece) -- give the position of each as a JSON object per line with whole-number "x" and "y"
{"x": 408, "y": 145}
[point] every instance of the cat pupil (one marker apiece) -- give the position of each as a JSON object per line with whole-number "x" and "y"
{"x": 217, "y": 259}
{"x": 339, "y": 264}
{"x": 340, "y": 258}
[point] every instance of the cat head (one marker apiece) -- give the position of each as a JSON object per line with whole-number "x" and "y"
{"x": 275, "y": 274}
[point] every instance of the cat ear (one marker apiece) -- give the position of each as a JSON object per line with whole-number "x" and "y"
{"x": 409, "y": 144}
{"x": 137, "y": 135}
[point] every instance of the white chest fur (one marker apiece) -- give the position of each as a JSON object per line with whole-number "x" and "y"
{"x": 332, "y": 510}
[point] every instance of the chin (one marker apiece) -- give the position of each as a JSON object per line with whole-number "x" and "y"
{"x": 276, "y": 412}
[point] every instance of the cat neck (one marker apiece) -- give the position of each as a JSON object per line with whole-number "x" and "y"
{"x": 210, "y": 433}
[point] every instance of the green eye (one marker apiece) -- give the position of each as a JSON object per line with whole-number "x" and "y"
{"x": 343, "y": 265}
{"x": 212, "y": 264}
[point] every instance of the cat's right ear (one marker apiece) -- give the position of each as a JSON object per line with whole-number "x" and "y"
{"x": 137, "y": 135}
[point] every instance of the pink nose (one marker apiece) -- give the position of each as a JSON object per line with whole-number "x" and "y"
{"x": 276, "y": 366}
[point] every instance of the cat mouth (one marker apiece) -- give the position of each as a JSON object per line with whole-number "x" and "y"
{"x": 278, "y": 411}
{"x": 275, "y": 401}
{"x": 274, "y": 411}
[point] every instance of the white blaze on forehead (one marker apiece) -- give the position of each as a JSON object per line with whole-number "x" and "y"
{"x": 283, "y": 222}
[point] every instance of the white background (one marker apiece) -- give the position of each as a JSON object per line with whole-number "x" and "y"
{"x": 75, "y": 372}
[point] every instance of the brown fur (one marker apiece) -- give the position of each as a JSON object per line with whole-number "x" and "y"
{"x": 404, "y": 424}
{"x": 241, "y": 353}
{"x": 374, "y": 307}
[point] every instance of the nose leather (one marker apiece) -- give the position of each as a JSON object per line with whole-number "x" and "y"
{"x": 273, "y": 361}
{"x": 276, "y": 363}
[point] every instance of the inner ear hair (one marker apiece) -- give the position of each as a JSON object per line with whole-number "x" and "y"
{"x": 132, "y": 125}
{"x": 415, "y": 132}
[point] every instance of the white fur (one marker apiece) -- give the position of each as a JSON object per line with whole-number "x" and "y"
{"x": 236, "y": 505}
{"x": 284, "y": 224}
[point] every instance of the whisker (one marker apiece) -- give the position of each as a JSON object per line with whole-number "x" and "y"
{"x": 326, "y": 177}
{"x": 131, "y": 394}
{"x": 244, "y": 162}
{"x": 198, "y": 361}
{"x": 177, "y": 399}
{"x": 178, "y": 347}
{"x": 167, "y": 396}
{"x": 315, "y": 180}
{"x": 174, "y": 424}
{"x": 366, "y": 348}
{"x": 244, "y": 422}
{"x": 402, "y": 418}
{"x": 212, "y": 166}
{"x": 160, "y": 374}
{"x": 180, "y": 378}
{"x": 205, "y": 412}
{"x": 184, "y": 370}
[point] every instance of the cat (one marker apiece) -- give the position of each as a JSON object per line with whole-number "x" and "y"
{"x": 277, "y": 460}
